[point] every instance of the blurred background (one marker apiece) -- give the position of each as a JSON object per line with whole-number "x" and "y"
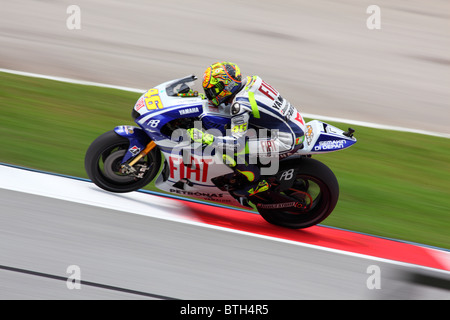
{"x": 320, "y": 55}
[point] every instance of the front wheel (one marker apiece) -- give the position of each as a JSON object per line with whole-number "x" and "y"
{"x": 103, "y": 164}
{"x": 311, "y": 198}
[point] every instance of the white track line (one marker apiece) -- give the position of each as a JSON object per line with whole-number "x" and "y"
{"x": 306, "y": 115}
{"x": 78, "y": 191}
{"x": 61, "y": 79}
{"x": 82, "y": 197}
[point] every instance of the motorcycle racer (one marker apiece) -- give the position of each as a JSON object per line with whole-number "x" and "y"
{"x": 251, "y": 102}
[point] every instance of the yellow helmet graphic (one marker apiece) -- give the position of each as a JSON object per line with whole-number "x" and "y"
{"x": 221, "y": 81}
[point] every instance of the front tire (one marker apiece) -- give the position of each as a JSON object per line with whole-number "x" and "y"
{"x": 315, "y": 192}
{"x": 103, "y": 162}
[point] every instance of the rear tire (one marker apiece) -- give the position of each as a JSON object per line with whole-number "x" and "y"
{"x": 315, "y": 191}
{"x": 103, "y": 162}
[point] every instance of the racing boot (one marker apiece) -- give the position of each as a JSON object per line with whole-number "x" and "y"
{"x": 253, "y": 186}
{"x": 253, "y": 189}
{"x": 262, "y": 186}
{"x": 250, "y": 173}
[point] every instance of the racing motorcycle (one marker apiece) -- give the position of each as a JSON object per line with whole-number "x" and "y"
{"x": 303, "y": 191}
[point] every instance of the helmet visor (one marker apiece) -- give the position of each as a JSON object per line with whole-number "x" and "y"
{"x": 210, "y": 93}
{"x": 214, "y": 91}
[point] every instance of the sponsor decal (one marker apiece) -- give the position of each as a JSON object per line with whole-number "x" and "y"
{"x": 197, "y": 193}
{"x": 268, "y": 90}
{"x": 197, "y": 170}
{"x": 299, "y": 118}
{"x": 188, "y": 110}
{"x": 280, "y": 205}
{"x": 269, "y": 146}
{"x": 309, "y": 134}
{"x": 135, "y": 150}
{"x": 140, "y": 104}
{"x": 299, "y": 140}
{"x": 330, "y": 145}
{"x": 125, "y": 129}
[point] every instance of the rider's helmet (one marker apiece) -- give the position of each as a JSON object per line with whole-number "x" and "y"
{"x": 221, "y": 81}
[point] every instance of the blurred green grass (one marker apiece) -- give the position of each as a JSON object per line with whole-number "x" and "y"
{"x": 393, "y": 184}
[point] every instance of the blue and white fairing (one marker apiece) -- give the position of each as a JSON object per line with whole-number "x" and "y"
{"x": 189, "y": 173}
{"x": 160, "y": 105}
{"x": 185, "y": 176}
{"x": 137, "y": 137}
{"x": 321, "y": 137}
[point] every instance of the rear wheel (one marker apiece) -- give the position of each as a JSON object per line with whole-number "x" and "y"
{"x": 310, "y": 200}
{"x": 103, "y": 164}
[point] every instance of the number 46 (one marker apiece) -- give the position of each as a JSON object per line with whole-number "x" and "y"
{"x": 152, "y": 100}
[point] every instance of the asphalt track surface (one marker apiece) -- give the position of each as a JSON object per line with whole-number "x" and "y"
{"x": 320, "y": 55}
{"x": 140, "y": 245}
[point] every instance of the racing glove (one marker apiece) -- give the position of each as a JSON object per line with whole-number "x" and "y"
{"x": 200, "y": 136}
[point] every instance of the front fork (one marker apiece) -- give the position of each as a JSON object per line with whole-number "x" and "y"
{"x": 127, "y": 168}
{"x": 138, "y": 148}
